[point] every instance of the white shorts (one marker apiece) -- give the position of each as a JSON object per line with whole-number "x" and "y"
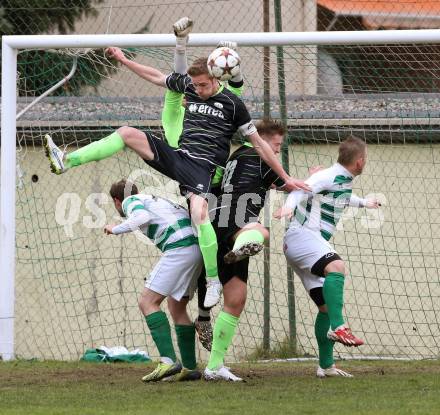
{"x": 176, "y": 273}
{"x": 303, "y": 248}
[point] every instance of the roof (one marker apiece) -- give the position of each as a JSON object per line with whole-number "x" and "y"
{"x": 396, "y": 14}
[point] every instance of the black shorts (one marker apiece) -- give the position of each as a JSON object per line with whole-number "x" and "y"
{"x": 194, "y": 175}
{"x": 317, "y": 296}
{"x": 226, "y": 272}
{"x": 319, "y": 266}
{"x": 229, "y": 219}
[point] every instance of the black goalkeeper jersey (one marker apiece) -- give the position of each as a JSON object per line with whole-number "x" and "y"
{"x": 246, "y": 180}
{"x": 209, "y": 124}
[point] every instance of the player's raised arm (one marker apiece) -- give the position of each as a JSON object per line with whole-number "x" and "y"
{"x": 135, "y": 221}
{"x": 316, "y": 182}
{"x": 182, "y": 28}
{"x": 146, "y": 72}
{"x": 290, "y": 204}
{"x": 370, "y": 203}
{"x": 267, "y": 154}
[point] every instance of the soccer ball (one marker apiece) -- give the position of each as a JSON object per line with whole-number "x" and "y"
{"x": 223, "y": 63}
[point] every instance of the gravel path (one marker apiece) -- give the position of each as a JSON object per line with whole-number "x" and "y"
{"x": 345, "y": 107}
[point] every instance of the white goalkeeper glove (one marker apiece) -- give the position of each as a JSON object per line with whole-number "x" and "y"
{"x": 183, "y": 27}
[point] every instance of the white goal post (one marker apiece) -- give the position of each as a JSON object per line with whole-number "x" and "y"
{"x": 12, "y": 44}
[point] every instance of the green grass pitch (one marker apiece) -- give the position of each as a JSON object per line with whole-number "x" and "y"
{"x": 388, "y": 388}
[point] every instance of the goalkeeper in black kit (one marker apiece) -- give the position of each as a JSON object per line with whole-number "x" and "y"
{"x": 213, "y": 114}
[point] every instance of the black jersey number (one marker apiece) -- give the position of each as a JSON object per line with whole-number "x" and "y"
{"x": 229, "y": 171}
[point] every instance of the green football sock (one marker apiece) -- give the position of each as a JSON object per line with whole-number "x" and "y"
{"x": 218, "y": 177}
{"x": 96, "y": 151}
{"x": 252, "y": 235}
{"x": 224, "y": 330}
{"x": 208, "y": 246}
{"x": 186, "y": 336}
{"x": 333, "y": 291}
{"x": 161, "y": 332}
{"x": 325, "y": 345}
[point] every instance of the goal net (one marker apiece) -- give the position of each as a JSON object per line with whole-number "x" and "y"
{"x": 76, "y": 288}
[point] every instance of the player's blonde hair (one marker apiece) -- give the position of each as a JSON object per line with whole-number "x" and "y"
{"x": 199, "y": 67}
{"x": 350, "y": 150}
{"x": 122, "y": 189}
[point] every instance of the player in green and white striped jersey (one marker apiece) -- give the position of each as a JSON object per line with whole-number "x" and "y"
{"x": 313, "y": 259}
{"x": 168, "y": 226}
